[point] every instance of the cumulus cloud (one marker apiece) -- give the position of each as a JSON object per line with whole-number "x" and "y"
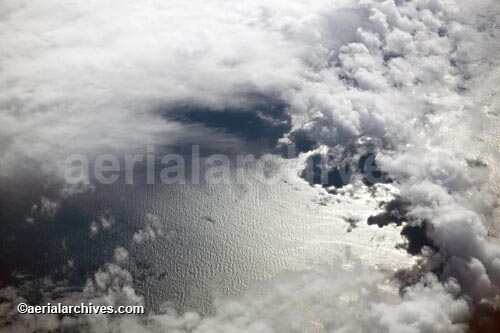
{"x": 74, "y": 83}
{"x": 45, "y": 209}
{"x": 331, "y": 299}
{"x": 152, "y": 229}
{"x": 104, "y": 221}
{"x": 110, "y": 285}
{"x": 76, "y": 79}
{"x": 88, "y": 77}
{"x": 354, "y": 300}
{"x": 121, "y": 255}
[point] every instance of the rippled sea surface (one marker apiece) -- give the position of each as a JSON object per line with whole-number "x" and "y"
{"x": 216, "y": 239}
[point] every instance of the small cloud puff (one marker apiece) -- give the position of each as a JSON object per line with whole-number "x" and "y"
{"x": 152, "y": 230}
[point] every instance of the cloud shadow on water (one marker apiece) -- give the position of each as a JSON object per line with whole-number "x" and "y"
{"x": 396, "y": 212}
{"x": 259, "y": 128}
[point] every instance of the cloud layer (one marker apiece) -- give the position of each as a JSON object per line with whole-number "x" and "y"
{"x": 384, "y": 76}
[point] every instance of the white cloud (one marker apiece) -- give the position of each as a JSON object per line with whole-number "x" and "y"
{"x": 151, "y": 230}
{"x": 86, "y": 77}
{"x": 105, "y": 220}
{"x": 121, "y": 255}
{"x": 324, "y": 301}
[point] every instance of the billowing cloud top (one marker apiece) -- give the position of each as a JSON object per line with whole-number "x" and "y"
{"x": 91, "y": 76}
{"x": 86, "y": 76}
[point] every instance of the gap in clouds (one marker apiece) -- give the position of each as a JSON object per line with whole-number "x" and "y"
{"x": 394, "y": 72}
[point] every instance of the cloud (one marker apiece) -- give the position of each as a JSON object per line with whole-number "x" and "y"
{"x": 44, "y": 210}
{"x": 104, "y": 222}
{"x": 110, "y": 285}
{"x": 74, "y": 83}
{"x": 121, "y": 255}
{"x": 355, "y": 300}
{"x": 152, "y": 230}
{"x": 88, "y": 77}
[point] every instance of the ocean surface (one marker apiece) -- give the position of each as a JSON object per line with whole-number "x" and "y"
{"x": 210, "y": 239}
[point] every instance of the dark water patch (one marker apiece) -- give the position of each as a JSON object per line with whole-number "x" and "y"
{"x": 58, "y": 246}
{"x": 389, "y": 56}
{"x": 249, "y": 125}
{"x": 23, "y": 225}
{"x": 416, "y": 236}
{"x": 301, "y": 142}
{"x": 323, "y": 169}
{"x": 415, "y": 232}
{"x": 395, "y": 213}
{"x": 368, "y": 167}
{"x": 261, "y": 126}
{"x": 319, "y": 171}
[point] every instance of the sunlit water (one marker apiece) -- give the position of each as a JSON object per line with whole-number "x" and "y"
{"x": 217, "y": 239}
